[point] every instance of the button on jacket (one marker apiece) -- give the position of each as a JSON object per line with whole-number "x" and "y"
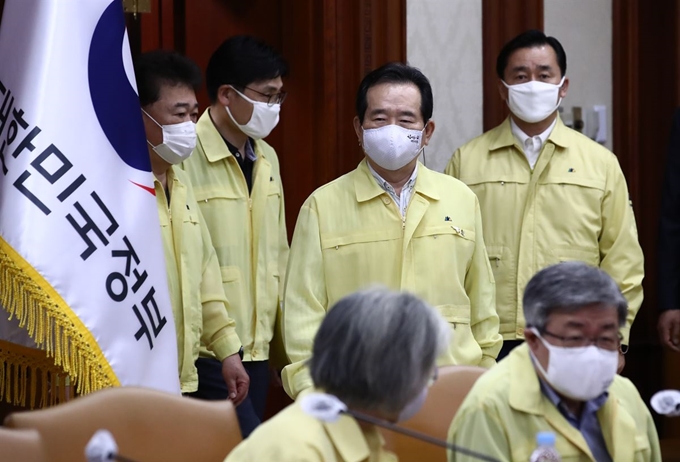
{"x": 505, "y": 409}
{"x": 247, "y": 230}
{"x": 350, "y": 234}
{"x": 573, "y": 205}
{"x": 198, "y": 303}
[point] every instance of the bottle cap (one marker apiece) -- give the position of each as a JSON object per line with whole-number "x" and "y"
{"x": 545, "y": 439}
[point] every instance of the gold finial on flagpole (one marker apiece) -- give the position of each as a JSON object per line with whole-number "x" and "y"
{"x": 137, "y": 6}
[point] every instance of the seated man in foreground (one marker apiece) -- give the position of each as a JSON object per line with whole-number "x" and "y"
{"x": 563, "y": 379}
{"x": 375, "y": 352}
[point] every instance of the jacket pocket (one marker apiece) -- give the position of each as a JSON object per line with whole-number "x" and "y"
{"x": 330, "y": 241}
{"x": 504, "y": 274}
{"x": 496, "y": 178}
{"x": 499, "y": 260}
{"x": 445, "y": 230}
{"x": 362, "y": 257}
{"x": 572, "y": 253}
{"x": 455, "y": 314}
{"x": 235, "y": 291}
{"x": 570, "y": 206}
{"x": 215, "y": 192}
{"x": 191, "y": 217}
{"x": 642, "y": 444}
{"x": 442, "y": 255}
{"x": 593, "y": 183}
{"x": 273, "y": 289}
{"x": 463, "y": 348}
{"x": 230, "y": 274}
{"x": 273, "y": 189}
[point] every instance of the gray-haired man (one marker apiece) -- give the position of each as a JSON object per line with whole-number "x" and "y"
{"x": 563, "y": 379}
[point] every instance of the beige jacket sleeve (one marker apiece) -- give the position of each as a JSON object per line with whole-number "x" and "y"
{"x": 219, "y": 330}
{"x": 277, "y": 352}
{"x": 305, "y": 299}
{"x": 620, "y": 252}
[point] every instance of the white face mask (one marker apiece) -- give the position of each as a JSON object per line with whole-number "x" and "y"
{"x": 413, "y": 406}
{"x": 581, "y": 373}
{"x": 263, "y": 120}
{"x": 392, "y": 147}
{"x": 534, "y": 101}
{"x": 179, "y": 141}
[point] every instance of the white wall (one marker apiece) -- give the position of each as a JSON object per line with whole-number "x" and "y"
{"x": 584, "y": 27}
{"x": 444, "y": 40}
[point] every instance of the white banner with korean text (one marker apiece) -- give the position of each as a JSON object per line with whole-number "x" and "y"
{"x": 82, "y": 269}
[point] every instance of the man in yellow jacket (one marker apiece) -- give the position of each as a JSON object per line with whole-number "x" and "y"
{"x": 548, "y": 194}
{"x": 166, "y": 83}
{"x": 238, "y": 187}
{"x": 563, "y": 380}
{"x": 393, "y": 222}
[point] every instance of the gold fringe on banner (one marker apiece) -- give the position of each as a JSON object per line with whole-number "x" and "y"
{"x": 23, "y": 370}
{"x": 56, "y": 330}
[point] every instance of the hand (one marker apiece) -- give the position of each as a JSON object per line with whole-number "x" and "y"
{"x": 669, "y": 329}
{"x": 236, "y": 377}
{"x": 622, "y": 362}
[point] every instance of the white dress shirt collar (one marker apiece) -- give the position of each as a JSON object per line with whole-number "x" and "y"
{"x": 531, "y": 145}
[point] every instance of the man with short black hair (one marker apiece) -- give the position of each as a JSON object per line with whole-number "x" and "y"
{"x": 394, "y": 222}
{"x": 547, "y": 193}
{"x": 167, "y": 82}
{"x": 238, "y": 186}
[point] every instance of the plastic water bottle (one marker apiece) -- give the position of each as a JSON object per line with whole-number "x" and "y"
{"x": 545, "y": 450}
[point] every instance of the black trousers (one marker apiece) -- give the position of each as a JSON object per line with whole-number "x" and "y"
{"x": 508, "y": 346}
{"x": 211, "y": 386}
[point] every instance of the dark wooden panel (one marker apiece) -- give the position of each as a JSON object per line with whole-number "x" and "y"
{"x": 645, "y": 71}
{"x": 625, "y": 56}
{"x": 501, "y": 21}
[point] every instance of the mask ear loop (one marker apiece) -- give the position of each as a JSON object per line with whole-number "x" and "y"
{"x": 423, "y": 148}
{"x": 536, "y": 362}
{"x": 156, "y": 122}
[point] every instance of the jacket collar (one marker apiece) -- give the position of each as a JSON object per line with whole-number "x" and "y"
{"x": 211, "y": 142}
{"x": 504, "y": 138}
{"x": 525, "y": 389}
{"x": 348, "y": 438}
{"x": 367, "y": 188}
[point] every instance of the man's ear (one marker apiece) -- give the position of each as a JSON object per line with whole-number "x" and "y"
{"x": 154, "y": 133}
{"x": 531, "y": 338}
{"x": 357, "y": 129}
{"x": 564, "y": 88}
{"x": 429, "y": 131}
{"x": 224, "y": 95}
{"x": 502, "y": 90}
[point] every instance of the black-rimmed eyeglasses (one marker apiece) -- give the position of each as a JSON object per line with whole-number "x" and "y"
{"x": 606, "y": 343}
{"x": 278, "y": 98}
